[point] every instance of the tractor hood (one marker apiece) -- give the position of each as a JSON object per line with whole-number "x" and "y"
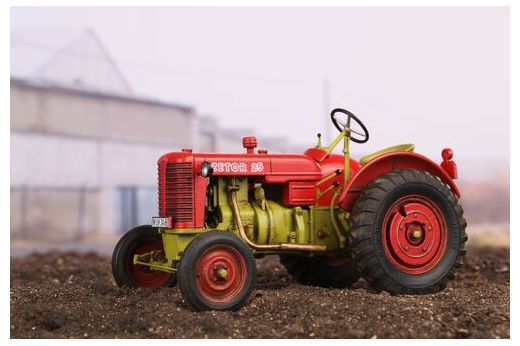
{"x": 276, "y": 168}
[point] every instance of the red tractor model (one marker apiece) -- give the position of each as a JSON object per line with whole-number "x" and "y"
{"x": 393, "y": 218}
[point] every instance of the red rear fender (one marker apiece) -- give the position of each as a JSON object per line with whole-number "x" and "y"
{"x": 387, "y": 163}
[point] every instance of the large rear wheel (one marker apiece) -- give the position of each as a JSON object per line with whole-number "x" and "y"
{"x": 407, "y": 233}
{"x": 138, "y": 241}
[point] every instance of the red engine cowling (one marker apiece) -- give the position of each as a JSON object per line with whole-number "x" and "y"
{"x": 182, "y": 191}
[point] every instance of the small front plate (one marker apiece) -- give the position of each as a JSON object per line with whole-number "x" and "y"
{"x": 162, "y": 222}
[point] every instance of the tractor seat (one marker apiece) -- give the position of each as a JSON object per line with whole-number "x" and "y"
{"x": 401, "y": 147}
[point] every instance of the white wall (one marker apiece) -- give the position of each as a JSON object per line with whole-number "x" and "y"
{"x": 75, "y": 114}
{"x": 52, "y": 161}
{"x": 42, "y": 160}
{"x": 58, "y": 161}
{"x": 130, "y": 163}
{"x": 64, "y": 143}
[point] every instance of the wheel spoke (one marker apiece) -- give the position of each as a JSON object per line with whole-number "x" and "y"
{"x": 358, "y": 133}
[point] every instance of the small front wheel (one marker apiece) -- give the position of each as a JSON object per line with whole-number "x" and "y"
{"x": 138, "y": 241}
{"x": 217, "y": 271}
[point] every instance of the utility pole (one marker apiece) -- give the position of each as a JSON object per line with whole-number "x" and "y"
{"x": 327, "y": 109}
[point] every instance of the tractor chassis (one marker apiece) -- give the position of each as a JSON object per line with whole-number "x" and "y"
{"x": 176, "y": 240}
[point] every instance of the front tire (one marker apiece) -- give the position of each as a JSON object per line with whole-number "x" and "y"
{"x": 407, "y": 233}
{"x": 217, "y": 271}
{"x": 138, "y": 241}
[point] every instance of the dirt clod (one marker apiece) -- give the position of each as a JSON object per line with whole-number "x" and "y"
{"x": 67, "y": 295}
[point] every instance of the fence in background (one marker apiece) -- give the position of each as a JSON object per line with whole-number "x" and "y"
{"x": 54, "y": 213}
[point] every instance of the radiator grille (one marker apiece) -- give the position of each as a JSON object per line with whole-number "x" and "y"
{"x": 176, "y": 191}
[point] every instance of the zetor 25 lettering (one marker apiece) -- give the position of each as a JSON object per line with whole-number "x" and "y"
{"x": 237, "y": 167}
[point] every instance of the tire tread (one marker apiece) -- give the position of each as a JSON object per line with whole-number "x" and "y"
{"x": 363, "y": 216}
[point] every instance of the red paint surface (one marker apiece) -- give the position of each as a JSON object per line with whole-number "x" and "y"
{"x": 448, "y": 165}
{"x": 210, "y": 286}
{"x": 328, "y": 166}
{"x": 299, "y": 193}
{"x": 316, "y": 154}
{"x": 142, "y": 275}
{"x": 409, "y": 254}
{"x": 387, "y": 163}
{"x": 250, "y": 144}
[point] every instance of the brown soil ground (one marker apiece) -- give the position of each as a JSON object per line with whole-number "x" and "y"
{"x": 67, "y": 295}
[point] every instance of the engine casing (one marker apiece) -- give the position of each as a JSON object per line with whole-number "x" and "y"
{"x": 267, "y": 221}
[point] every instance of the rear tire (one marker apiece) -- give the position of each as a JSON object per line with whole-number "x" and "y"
{"x": 217, "y": 271}
{"x": 407, "y": 233}
{"x": 321, "y": 271}
{"x": 137, "y": 241}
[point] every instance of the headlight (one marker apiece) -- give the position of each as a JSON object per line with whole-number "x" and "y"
{"x": 205, "y": 169}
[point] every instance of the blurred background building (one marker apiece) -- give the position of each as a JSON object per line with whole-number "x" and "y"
{"x": 84, "y": 146}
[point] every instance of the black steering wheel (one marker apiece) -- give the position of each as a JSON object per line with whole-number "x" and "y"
{"x": 345, "y": 125}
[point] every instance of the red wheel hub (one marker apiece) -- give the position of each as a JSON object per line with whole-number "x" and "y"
{"x": 414, "y": 234}
{"x": 143, "y": 275}
{"x": 221, "y": 273}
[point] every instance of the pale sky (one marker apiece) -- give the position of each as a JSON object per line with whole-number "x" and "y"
{"x": 435, "y": 77}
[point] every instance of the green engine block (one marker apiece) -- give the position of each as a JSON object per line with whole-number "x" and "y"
{"x": 265, "y": 221}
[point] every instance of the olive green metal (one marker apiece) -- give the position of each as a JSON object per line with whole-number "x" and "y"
{"x": 327, "y": 190}
{"x": 223, "y": 208}
{"x": 329, "y": 177}
{"x": 343, "y": 218}
{"x": 222, "y": 273}
{"x": 302, "y": 232}
{"x": 345, "y": 135}
{"x": 149, "y": 259}
{"x": 265, "y": 222}
{"x": 321, "y": 229}
{"x": 396, "y": 148}
{"x": 175, "y": 241}
{"x": 335, "y": 142}
{"x": 346, "y": 153}
{"x": 335, "y": 226}
{"x": 277, "y": 247}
